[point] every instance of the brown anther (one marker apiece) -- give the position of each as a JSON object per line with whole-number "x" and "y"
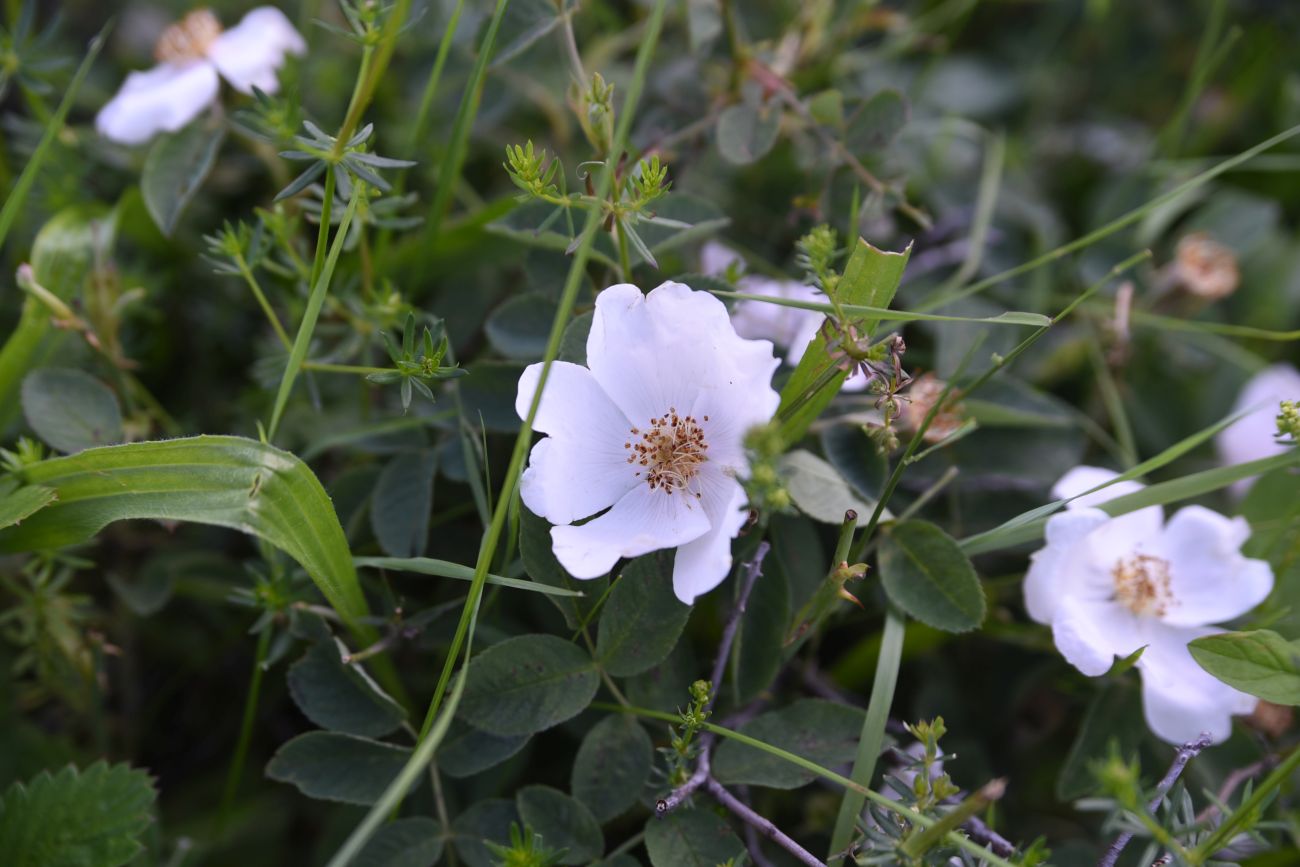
{"x": 189, "y": 38}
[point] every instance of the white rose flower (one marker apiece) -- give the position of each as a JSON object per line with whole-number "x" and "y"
{"x": 651, "y": 429}
{"x": 791, "y": 328}
{"x": 1252, "y": 437}
{"x": 1108, "y": 586}
{"x": 194, "y": 54}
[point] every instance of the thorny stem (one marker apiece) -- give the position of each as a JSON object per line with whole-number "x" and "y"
{"x": 1185, "y": 754}
{"x": 764, "y": 826}
{"x": 753, "y": 569}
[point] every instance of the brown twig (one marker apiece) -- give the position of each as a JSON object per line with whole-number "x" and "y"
{"x": 764, "y": 826}
{"x": 1185, "y": 754}
{"x": 753, "y": 569}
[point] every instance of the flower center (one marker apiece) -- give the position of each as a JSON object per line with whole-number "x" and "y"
{"x": 1142, "y": 584}
{"x": 670, "y": 450}
{"x": 189, "y": 38}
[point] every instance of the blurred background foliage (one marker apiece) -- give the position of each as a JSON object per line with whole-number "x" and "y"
{"x": 1022, "y": 123}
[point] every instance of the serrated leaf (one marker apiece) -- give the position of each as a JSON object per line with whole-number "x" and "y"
{"x": 90, "y": 818}
{"x": 64, "y": 253}
{"x": 818, "y": 490}
{"x": 467, "y": 751}
{"x": 219, "y": 480}
{"x": 690, "y": 838}
{"x": 1260, "y": 662}
{"x": 402, "y": 503}
{"x": 542, "y": 566}
{"x": 875, "y": 123}
{"x": 563, "y": 822}
{"x": 330, "y": 766}
{"x": 821, "y": 731}
{"x": 747, "y": 132}
{"x": 488, "y": 820}
{"x": 642, "y": 619}
{"x": 612, "y": 766}
{"x": 415, "y": 841}
{"x": 1114, "y": 716}
{"x": 176, "y": 167}
{"x": 339, "y": 696}
{"x": 528, "y": 684}
{"x": 71, "y": 410}
{"x": 521, "y": 326}
{"x": 925, "y": 573}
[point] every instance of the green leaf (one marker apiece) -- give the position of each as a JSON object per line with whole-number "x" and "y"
{"x": 339, "y": 696}
{"x": 220, "y": 480}
{"x": 15, "y": 505}
{"x": 71, "y": 410}
{"x": 415, "y": 841}
{"x": 467, "y": 751}
{"x": 747, "y": 132}
{"x": 642, "y": 619}
{"x": 1261, "y": 663}
{"x": 541, "y": 565}
{"x": 819, "y": 491}
{"x": 573, "y": 345}
{"x": 690, "y": 838}
{"x": 486, "y": 820}
{"x": 926, "y": 574}
{"x": 563, "y": 822}
{"x": 90, "y": 818}
{"x": 870, "y": 278}
{"x": 760, "y": 644}
{"x": 402, "y": 503}
{"x": 875, "y": 123}
{"x": 528, "y": 684}
{"x": 821, "y": 731}
{"x": 520, "y": 327}
{"x": 855, "y": 457}
{"x": 176, "y": 167}
{"x": 63, "y": 255}
{"x": 612, "y": 766}
{"x": 330, "y": 766}
{"x": 1114, "y": 716}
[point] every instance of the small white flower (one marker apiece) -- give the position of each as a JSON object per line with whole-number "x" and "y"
{"x": 791, "y": 328}
{"x": 651, "y": 430}
{"x": 1252, "y": 438}
{"x": 1108, "y": 586}
{"x": 194, "y": 54}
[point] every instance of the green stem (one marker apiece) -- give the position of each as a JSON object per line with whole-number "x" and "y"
{"x": 873, "y": 728}
{"x": 1246, "y": 812}
{"x": 262, "y": 301}
{"x": 320, "y": 288}
{"x": 17, "y": 196}
{"x": 245, "y": 730}
{"x": 431, "y": 86}
{"x": 568, "y": 298}
{"x": 454, "y": 158}
{"x": 1112, "y": 227}
{"x": 373, "y": 68}
{"x": 624, "y": 254}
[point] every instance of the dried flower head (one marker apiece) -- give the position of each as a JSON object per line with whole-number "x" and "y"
{"x": 921, "y": 398}
{"x": 1205, "y": 268}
